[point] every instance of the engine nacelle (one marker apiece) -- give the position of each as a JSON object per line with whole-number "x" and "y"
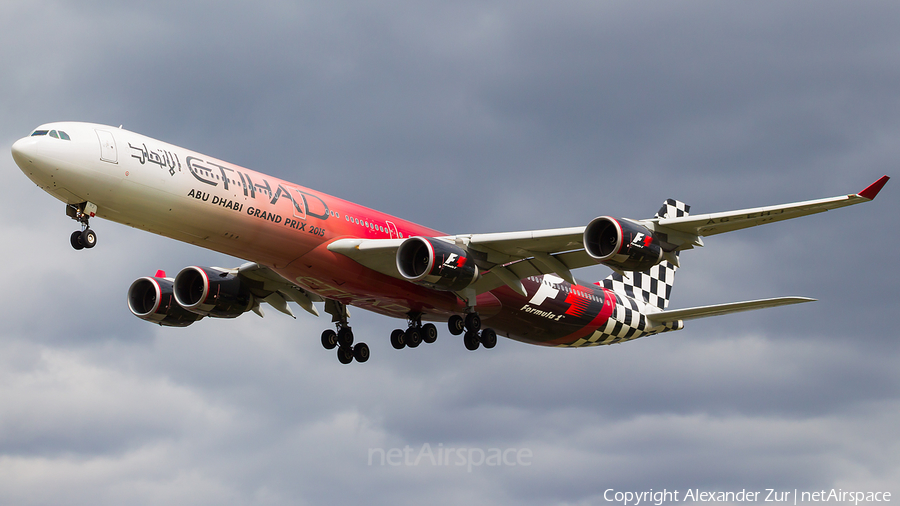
{"x": 152, "y": 299}
{"x": 436, "y": 264}
{"x": 211, "y": 292}
{"x": 622, "y": 244}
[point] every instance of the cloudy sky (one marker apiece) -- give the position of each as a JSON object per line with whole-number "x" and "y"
{"x": 467, "y": 117}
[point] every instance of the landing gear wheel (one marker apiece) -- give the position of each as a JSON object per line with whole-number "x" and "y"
{"x": 361, "y": 352}
{"x": 456, "y": 324}
{"x": 345, "y": 354}
{"x": 88, "y": 238}
{"x": 429, "y": 333}
{"x": 345, "y": 337}
{"x": 413, "y": 337}
{"x": 329, "y": 339}
{"x": 473, "y": 322}
{"x": 75, "y": 239}
{"x": 488, "y": 338}
{"x": 471, "y": 340}
{"x": 398, "y": 340}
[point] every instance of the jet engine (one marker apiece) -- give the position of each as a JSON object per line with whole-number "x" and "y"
{"x": 212, "y": 292}
{"x": 152, "y": 299}
{"x": 622, "y": 244}
{"x": 436, "y": 264}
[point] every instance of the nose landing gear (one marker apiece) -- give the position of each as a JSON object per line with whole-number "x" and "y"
{"x": 84, "y": 238}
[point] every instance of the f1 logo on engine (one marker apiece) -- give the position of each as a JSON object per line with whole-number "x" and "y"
{"x": 642, "y": 239}
{"x": 452, "y": 261}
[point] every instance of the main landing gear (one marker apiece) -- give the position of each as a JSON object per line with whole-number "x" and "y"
{"x": 470, "y": 326}
{"x": 343, "y": 338}
{"x": 415, "y": 334}
{"x": 473, "y": 336}
{"x": 84, "y": 238}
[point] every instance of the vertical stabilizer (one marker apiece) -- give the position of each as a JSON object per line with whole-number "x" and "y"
{"x": 653, "y": 286}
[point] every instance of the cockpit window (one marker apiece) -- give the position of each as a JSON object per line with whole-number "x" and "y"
{"x": 39, "y": 132}
{"x": 55, "y": 134}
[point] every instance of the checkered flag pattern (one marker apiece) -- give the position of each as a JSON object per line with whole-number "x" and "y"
{"x": 654, "y": 286}
{"x": 626, "y": 323}
{"x": 673, "y": 209}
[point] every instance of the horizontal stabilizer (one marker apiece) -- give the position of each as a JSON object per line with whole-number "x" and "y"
{"x": 720, "y": 309}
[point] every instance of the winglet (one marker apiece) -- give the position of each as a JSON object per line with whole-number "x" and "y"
{"x": 160, "y": 274}
{"x": 872, "y": 190}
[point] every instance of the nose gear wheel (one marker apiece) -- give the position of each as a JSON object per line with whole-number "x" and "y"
{"x": 84, "y": 238}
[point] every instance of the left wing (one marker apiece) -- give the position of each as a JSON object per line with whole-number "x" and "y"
{"x": 542, "y": 251}
{"x": 505, "y": 258}
{"x": 717, "y": 223}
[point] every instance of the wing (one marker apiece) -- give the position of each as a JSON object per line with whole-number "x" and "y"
{"x": 506, "y": 258}
{"x": 717, "y": 223}
{"x": 269, "y": 286}
{"x": 501, "y": 256}
{"x": 213, "y": 292}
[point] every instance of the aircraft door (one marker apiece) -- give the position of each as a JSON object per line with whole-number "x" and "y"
{"x": 107, "y": 146}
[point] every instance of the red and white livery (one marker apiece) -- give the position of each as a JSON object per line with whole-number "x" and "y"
{"x": 307, "y": 247}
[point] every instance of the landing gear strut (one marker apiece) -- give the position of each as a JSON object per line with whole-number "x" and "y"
{"x": 84, "y": 238}
{"x": 343, "y": 338}
{"x": 415, "y": 334}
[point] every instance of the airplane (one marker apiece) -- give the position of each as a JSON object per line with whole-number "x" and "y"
{"x": 307, "y": 247}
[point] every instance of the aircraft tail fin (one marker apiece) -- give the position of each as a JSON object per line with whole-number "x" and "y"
{"x": 653, "y": 286}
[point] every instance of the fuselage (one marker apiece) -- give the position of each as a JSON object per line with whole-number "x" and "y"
{"x": 171, "y": 191}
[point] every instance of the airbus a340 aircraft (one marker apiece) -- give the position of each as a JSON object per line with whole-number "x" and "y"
{"x": 305, "y": 246}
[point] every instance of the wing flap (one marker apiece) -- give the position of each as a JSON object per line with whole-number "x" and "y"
{"x": 278, "y": 288}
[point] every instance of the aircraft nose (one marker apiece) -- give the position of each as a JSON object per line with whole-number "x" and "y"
{"x": 24, "y": 151}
